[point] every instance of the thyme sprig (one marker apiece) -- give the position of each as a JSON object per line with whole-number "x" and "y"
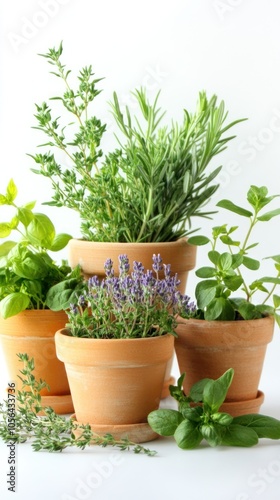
{"x": 47, "y": 430}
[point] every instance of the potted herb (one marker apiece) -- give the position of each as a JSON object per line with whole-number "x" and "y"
{"x": 29, "y": 316}
{"x": 116, "y": 346}
{"x": 199, "y": 417}
{"x": 147, "y": 189}
{"x": 235, "y": 317}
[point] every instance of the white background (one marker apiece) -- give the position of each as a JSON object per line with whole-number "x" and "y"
{"x": 230, "y": 48}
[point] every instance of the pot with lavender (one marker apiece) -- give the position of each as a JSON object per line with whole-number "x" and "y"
{"x": 116, "y": 346}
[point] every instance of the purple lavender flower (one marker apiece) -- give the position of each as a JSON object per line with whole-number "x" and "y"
{"x": 123, "y": 264}
{"x": 157, "y": 263}
{"x": 108, "y": 266}
{"x": 74, "y": 309}
{"x": 93, "y": 282}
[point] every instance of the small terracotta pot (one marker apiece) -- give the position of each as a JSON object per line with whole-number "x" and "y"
{"x": 206, "y": 349}
{"x": 114, "y": 381}
{"x": 32, "y": 332}
{"x": 92, "y": 255}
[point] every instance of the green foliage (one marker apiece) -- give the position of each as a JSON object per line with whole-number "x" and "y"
{"x": 27, "y": 272}
{"x": 225, "y": 274}
{"x": 198, "y": 417}
{"x": 155, "y": 180}
{"x": 47, "y": 430}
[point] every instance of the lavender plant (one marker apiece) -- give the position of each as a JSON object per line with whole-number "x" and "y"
{"x": 131, "y": 305}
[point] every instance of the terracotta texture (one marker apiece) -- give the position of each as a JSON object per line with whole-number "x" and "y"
{"x": 114, "y": 381}
{"x": 206, "y": 349}
{"x": 92, "y": 255}
{"x": 32, "y": 332}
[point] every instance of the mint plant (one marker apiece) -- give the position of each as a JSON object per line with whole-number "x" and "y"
{"x": 43, "y": 427}
{"x": 198, "y": 417}
{"x": 27, "y": 271}
{"x": 153, "y": 182}
{"x": 229, "y": 257}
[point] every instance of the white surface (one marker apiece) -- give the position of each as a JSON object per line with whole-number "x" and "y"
{"x": 103, "y": 474}
{"x": 227, "y": 47}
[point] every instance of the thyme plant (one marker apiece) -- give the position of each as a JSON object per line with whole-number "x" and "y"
{"x": 155, "y": 180}
{"x": 47, "y": 430}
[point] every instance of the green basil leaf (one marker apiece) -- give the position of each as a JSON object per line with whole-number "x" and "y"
{"x": 60, "y": 241}
{"x": 212, "y": 434}
{"x": 165, "y": 422}
{"x": 188, "y": 435}
{"x": 11, "y": 192}
{"x": 222, "y": 418}
{"x": 5, "y": 229}
{"x": 13, "y": 304}
{"x": 215, "y": 391}
{"x": 25, "y": 216}
{"x": 196, "y": 391}
{"x": 237, "y": 435}
{"x": 265, "y": 427}
{"x": 41, "y": 231}
{"x": 269, "y": 215}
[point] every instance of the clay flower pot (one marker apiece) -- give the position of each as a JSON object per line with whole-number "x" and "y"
{"x": 115, "y": 383}
{"x": 206, "y": 349}
{"x": 32, "y": 332}
{"x": 92, "y": 255}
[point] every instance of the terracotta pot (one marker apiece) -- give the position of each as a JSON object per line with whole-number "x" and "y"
{"x": 91, "y": 256}
{"x": 114, "y": 382}
{"x": 206, "y": 349}
{"x": 32, "y": 332}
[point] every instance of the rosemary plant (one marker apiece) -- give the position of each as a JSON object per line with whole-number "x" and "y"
{"x": 155, "y": 180}
{"x": 47, "y": 430}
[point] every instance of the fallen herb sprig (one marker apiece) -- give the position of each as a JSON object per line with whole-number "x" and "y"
{"x": 47, "y": 430}
{"x": 198, "y": 417}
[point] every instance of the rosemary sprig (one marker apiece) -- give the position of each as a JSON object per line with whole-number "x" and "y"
{"x": 47, "y": 430}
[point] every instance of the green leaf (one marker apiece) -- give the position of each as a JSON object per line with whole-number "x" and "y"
{"x": 3, "y": 200}
{"x": 250, "y": 263}
{"x": 196, "y": 391}
{"x": 25, "y": 216}
{"x": 214, "y": 309}
{"x": 269, "y": 215}
{"x": 205, "y": 292}
{"x": 215, "y": 391}
{"x": 6, "y": 247}
{"x": 237, "y": 260}
{"x": 248, "y": 310}
{"x": 265, "y": 427}
{"x": 214, "y": 256}
{"x": 164, "y": 421}
{"x": 11, "y": 193}
{"x": 198, "y": 240}
{"x": 60, "y": 241}
{"x": 187, "y": 435}
{"x": 60, "y": 296}
{"x": 268, "y": 279}
{"x": 276, "y": 301}
{"x": 13, "y": 304}
{"x": 237, "y": 435}
{"x": 222, "y": 418}
{"x": 228, "y": 205}
{"x": 233, "y": 282}
{"x": 225, "y": 261}
{"x": 206, "y": 272}
{"x": 5, "y": 229}
{"x": 41, "y": 231}
{"x": 212, "y": 434}
{"x": 229, "y": 241}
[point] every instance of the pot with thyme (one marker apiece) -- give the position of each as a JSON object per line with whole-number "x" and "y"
{"x": 28, "y": 275}
{"x": 117, "y": 343}
{"x": 151, "y": 185}
{"x": 228, "y": 329}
